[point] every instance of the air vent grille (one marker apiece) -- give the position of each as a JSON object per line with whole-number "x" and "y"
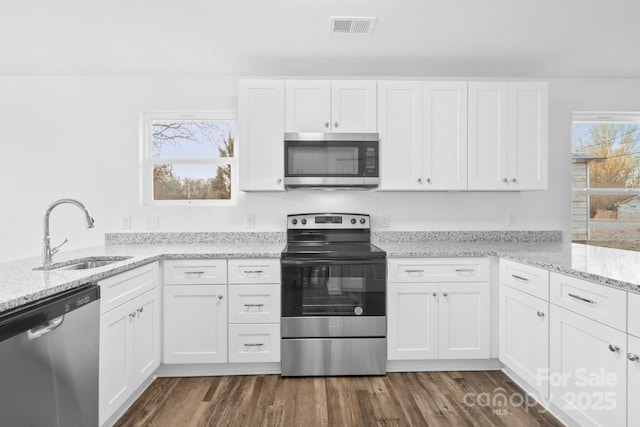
{"x": 351, "y": 25}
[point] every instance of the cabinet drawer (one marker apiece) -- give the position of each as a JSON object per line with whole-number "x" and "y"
{"x": 254, "y": 304}
{"x": 195, "y": 272}
{"x": 254, "y": 343}
{"x": 525, "y": 278}
{"x": 633, "y": 325}
{"x": 123, "y": 287}
{"x": 438, "y": 269}
{"x": 597, "y": 302}
{"x": 254, "y": 270}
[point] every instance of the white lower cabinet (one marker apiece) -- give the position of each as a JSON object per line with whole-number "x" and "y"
{"x": 254, "y": 343}
{"x": 588, "y": 361}
{"x": 129, "y": 341}
{"x": 195, "y": 324}
{"x": 633, "y": 381}
{"x": 438, "y": 320}
{"x": 524, "y": 337}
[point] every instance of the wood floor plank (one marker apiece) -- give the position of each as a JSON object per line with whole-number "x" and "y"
{"x": 413, "y": 399}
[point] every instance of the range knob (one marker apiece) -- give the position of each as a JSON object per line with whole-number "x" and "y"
{"x": 353, "y": 220}
{"x": 304, "y": 221}
{"x": 294, "y": 221}
{"x": 362, "y": 220}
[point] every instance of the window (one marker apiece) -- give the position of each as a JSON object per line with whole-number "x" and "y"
{"x": 606, "y": 179}
{"x": 188, "y": 158}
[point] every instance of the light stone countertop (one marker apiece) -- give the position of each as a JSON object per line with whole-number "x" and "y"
{"x": 20, "y": 284}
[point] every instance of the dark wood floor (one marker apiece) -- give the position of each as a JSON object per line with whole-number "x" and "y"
{"x": 398, "y": 399}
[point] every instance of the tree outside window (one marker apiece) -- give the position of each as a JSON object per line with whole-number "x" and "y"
{"x": 189, "y": 158}
{"x": 606, "y": 203}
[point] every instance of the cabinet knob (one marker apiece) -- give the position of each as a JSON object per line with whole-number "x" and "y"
{"x": 279, "y": 180}
{"x": 514, "y": 180}
{"x": 420, "y": 180}
{"x": 444, "y": 294}
{"x": 505, "y": 180}
{"x": 540, "y": 314}
{"x": 335, "y": 124}
{"x": 429, "y": 180}
{"x": 326, "y": 124}
{"x": 614, "y": 348}
{"x": 632, "y": 357}
{"x": 220, "y": 297}
{"x": 435, "y": 294}
{"x": 132, "y": 314}
{"x": 140, "y": 310}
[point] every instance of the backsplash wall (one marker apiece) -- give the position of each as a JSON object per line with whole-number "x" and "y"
{"x": 78, "y": 137}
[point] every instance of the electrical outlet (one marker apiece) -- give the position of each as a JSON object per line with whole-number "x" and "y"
{"x": 511, "y": 219}
{"x": 250, "y": 220}
{"x": 126, "y": 222}
{"x": 151, "y": 221}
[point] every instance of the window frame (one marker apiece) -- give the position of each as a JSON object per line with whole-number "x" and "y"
{"x": 147, "y": 161}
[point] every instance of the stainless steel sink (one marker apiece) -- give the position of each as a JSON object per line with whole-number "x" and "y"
{"x": 84, "y": 263}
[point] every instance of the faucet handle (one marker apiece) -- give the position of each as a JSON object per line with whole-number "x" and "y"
{"x": 57, "y": 248}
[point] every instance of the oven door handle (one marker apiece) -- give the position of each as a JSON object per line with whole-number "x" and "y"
{"x": 324, "y": 261}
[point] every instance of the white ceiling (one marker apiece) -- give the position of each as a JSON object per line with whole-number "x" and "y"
{"x": 480, "y": 38}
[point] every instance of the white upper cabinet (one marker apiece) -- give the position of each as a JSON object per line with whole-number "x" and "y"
{"x": 508, "y": 136}
{"x": 400, "y": 128}
{"x": 423, "y": 135}
{"x": 444, "y": 136}
{"x": 261, "y": 125}
{"x": 331, "y": 106}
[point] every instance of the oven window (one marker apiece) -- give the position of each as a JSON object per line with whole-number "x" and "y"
{"x": 322, "y": 160}
{"x": 333, "y": 290}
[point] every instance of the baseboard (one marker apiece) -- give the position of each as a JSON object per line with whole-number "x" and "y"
{"x": 443, "y": 365}
{"x": 215, "y": 369}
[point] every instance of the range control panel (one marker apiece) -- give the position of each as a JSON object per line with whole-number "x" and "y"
{"x": 328, "y": 221}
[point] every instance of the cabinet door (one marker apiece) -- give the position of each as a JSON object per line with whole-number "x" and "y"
{"x": 588, "y": 369}
{"x": 116, "y": 359}
{"x": 444, "y": 158}
{"x": 353, "y": 106}
{"x": 308, "y": 106}
{"x": 146, "y": 333}
{"x": 400, "y": 125}
{"x": 464, "y": 320}
{"x": 524, "y": 337}
{"x": 488, "y": 136}
{"x": 261, "y": 126}
{"x": 412, "y": 321}
{"x": 528, "y": 136}
{"x": 633, "y": 372}
{"x": 195, "y": 324}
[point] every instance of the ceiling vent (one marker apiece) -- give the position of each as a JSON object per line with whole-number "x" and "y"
{"x": 351, "y": 25}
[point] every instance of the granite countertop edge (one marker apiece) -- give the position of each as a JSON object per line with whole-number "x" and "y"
{"x": 20, "y": 284}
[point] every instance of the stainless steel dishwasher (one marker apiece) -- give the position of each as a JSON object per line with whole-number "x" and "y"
{"x": 49, "y": 361}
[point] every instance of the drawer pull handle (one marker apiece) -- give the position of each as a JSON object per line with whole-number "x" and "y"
{"x": 632, "y": 357}
{"x": 540, "y": 314}
{"x": 578, "y": 297}
{"x": 189, "y": 273}
{"x": 253, "y": 344}
{"x": 248, "y": 307}
{"x": 414, "y": 271}
{"x": 614, "y": 348}
{"x": 253, "y": 271}
{"x": 515, "y": 276}
{"x": 465, "y": 270}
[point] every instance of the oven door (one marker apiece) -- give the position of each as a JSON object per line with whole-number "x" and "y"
{"x": 333, "y": 298}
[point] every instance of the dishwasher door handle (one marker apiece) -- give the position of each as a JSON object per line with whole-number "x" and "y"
{"x": 45, "y": 328}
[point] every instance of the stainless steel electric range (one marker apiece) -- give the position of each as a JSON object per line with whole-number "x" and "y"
{"x": 333, "y": 297}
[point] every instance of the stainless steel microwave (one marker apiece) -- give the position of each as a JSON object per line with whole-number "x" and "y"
{"x": 331, "y": 160}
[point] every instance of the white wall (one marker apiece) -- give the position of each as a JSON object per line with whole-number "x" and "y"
{"x": 78, "y": 137}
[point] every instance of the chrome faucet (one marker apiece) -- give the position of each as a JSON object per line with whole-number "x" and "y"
{"x": 47, "y": 251}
